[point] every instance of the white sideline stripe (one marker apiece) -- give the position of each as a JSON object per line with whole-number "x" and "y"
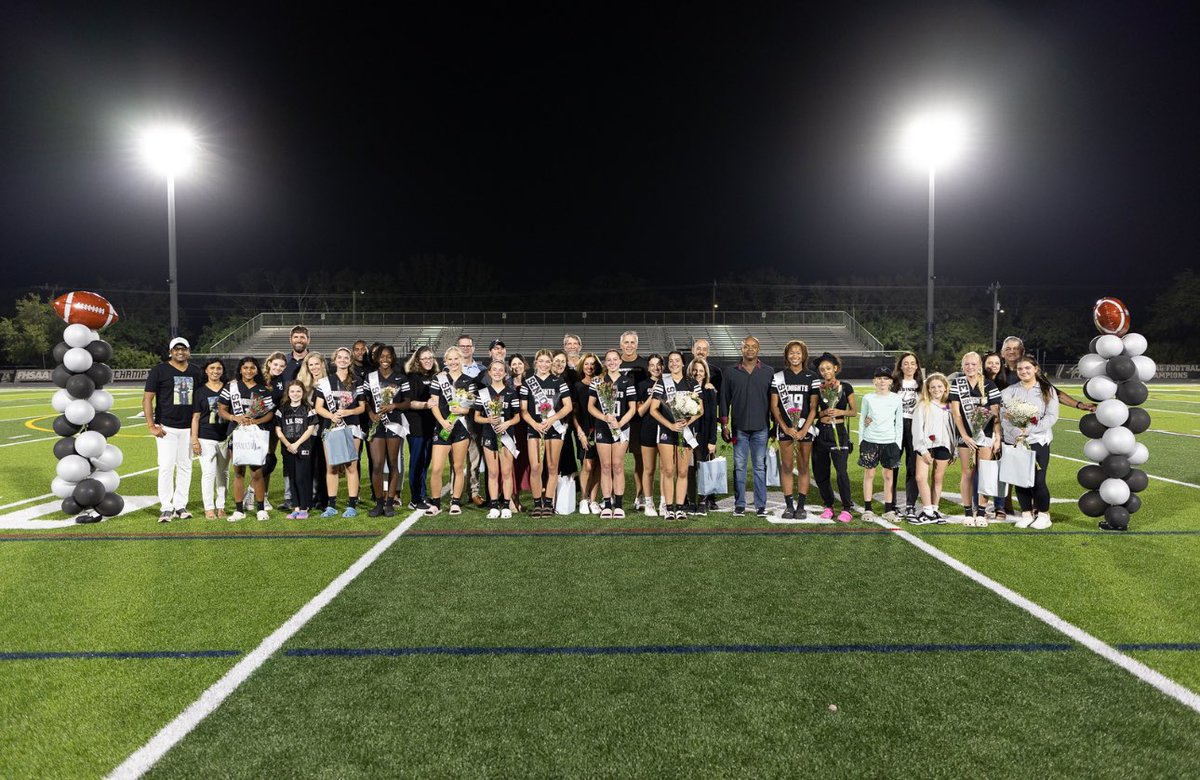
{"x": 51, "y": 495}
{"x": 171, "y": 734}
{"x": 30, "y": 441}
{"x": 1164, "y": 479}
{"x": 1166, "y": 685}
{"x": 1172, "y": 411}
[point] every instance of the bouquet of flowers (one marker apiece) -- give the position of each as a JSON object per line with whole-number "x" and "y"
{"x": 256, "y": 408}
{"x": 608, "y": 394}
{"x": 683, "y": 406}
{"x": 386, "y": 395}
{"x": 464, "y": 399}
{"x": 1020, "y": 414}
{"x": 494, "y": 407}
{"x": 795, "y": 416}
{"x": 831, "y": 393}
{"x": 978, "y": 418}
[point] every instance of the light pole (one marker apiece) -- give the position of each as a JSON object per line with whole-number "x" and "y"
{"x": 994, "y": 289}
{"x": 170, "y": 151}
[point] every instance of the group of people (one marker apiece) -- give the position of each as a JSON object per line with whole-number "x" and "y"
{"x": 528, "y": 423}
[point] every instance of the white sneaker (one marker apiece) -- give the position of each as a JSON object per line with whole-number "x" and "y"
{"x": 266, "y": 504}
{"x": 263, "y": 515}
{"x": 662, "y": 506}
{"x": 638, "y": 504}
{"x": 237, "y": 515}
{"x": 506, "y": 514}
{"x": 584, "y": 509}
{"x": 1041, "y": 521}
{"x": 1025, "y": 520}
{"x": 493, "y": 513}
{"x": 650, "y": 511}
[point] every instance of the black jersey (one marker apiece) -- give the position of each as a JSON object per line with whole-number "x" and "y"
{"x": 444, "y": 390}
{"x": 543, "y": 398}
{"x": 277, "y": 386}
{"x": 836, "y": 436}
{"x": 339, "y": 395}
{"x": 416, "y": 387}
{"x": 792, "y": 392}
{"x": 240, "y": 399}
{"x": 665, "y": 390}
{"x": 174, "y": 393}
{"x": 382, "y": 390}
{"x": 624, "y": 396}
{"x": 636, "y": 369}
{"x": 970, "y": 398}
{"x": 213, "y": 427}
{"x": 293, "y": 421}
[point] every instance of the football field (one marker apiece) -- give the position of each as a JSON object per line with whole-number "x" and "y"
{"x": 574, "y": 646}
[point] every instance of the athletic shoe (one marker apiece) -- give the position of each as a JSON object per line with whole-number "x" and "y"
{"x": 1041, "y": 522}
{"x": 165, "y": 517}
{"x": 891, "y": 516}
{"x": 237, "y": 515}
{"x": 183, "y": 514}
{"x": 389, "y": 510}
{"x": 456, "y": 509}
{"x": 739, "y": 511}
{"x": 618, "y": 513}
{"x": 922, "y": 519}
{"x": 662, "y": 505}
{"x": 263, "y": 515}
{"x": 414, "y": 505}
{"x": 493, "y": 514}
{"x": 266, "y": 504}
{"x": 788, "y": 514}
{"x": 639, "y": 503}
{"x": 1025, "y": 520}
{"x": 650, "y": 512}
{"x": 827, "y": 514}
{"x": 711, "y": 503}
{"x": 584, "y": 509}
{"x": 293, "y": 515}
{"x": 941, "y": 518}
{"x": 376, "y": 511}
{"x": 701, "y": 509}
{"x": 506, "y": 514}
{"x": 302, "y": 514}
{"x": 1104, "y": 525}
{"x": 761, "y": 511}
{"x": 844, "y": 516}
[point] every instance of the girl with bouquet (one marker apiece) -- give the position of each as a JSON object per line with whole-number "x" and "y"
{"x": 908, "y": 382}
{"x": 568, "y": 466}
{"x": 210, "y": 439}
{"x": 452, "y": 396}
{"x": 588, "y": 370}
{"x": 835, "y": 404}
{"x": 420, "y": 372}
{"x": 791, "y": 390}
{"x": 705, "y": 430}
{"x": 932, "y": 439}
{"x": 339, "y": 401}
{"x": 384, "y": 392}
{"x": 1030, "y": 411}
{"x": 247, "y": 401}
{"x": 647, "y": 432}
{"x": 974, "y": 404}
{"x": 545, "y": 403}
{"x": 675, "y": 405}
{"x": 295, "y": 426}
{"x": 994, "y": 369}
{"x": 612, "y": 402}
{"x": 498, "y": 410}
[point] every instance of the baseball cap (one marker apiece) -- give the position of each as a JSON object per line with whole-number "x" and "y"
{"x": 179, "y": 341}
{"x": 882, "y": 371}
{"x": 496, "y": 343}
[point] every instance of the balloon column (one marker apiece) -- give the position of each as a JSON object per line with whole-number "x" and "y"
{"x": 1115, "y": 373}
{"x": 87, "y": 479}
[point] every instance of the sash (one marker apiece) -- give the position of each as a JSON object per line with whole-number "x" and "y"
{"x": 621, "y": 434}
{"x": 966, "y": 401}
{"x": 236, "y": 403}
{"x": 443, "y": 380}
{"x": 669, "y": 391}
{"x": 398, "y": 428}
{"x": 506, "y": 438}
{"x": 539, "y": 396}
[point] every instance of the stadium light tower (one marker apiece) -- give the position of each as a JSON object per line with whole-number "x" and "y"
{"x": 170, "y": 151}
{"x": 933, "y": 140}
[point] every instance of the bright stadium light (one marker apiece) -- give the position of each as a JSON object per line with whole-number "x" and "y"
{"x": 170, "y": 150}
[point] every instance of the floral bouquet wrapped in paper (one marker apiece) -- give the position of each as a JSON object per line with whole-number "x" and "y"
{"x": 387, "y": 394}
{"x": 1020, "y": 414}
{"x": 608, "y": 395}
{"x": 462, "y": 398}
{"x": 683, "y": 407}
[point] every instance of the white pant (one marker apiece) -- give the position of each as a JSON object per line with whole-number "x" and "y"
{"x": 214, "y": 473}
{"x": 174, "y": 468}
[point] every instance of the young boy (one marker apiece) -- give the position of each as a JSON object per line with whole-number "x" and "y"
{"x": 880, "y": 432}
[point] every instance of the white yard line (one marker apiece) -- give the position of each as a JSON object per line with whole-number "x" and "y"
{"x": 1161, "y": 682}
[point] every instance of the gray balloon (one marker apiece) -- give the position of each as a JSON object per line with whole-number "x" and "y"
{"x": 81, "y": 386}
{"x": 1115, "y": 466}
{"x": 1121, "y": 368}
{"x": 111, "y": 505}
{"x": 1091, "y": 476}
{"x": 70, "y": 506}
{"x": 60, "y": 375}
{"x": 59, "y": 350}
{"x": 1133, "y": 504}
{"x": 1137, "y": 480}
{"x": 1117, "y": 517}
{"x": 105, "y": 423}
{"x": 102, "y": 351}
{"x": 1133, "y": 392}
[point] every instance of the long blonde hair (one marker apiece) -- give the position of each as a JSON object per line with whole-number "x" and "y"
{"x": 305, "y": 377}
{"x": 926, "y": 398}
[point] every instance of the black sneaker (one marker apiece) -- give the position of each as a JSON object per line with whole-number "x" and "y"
{"x": 711, "y": 503}
{"x": 1104, "y": 525}
{"x": 286, "y": 508}
{"x": 761, "y": 511}
{"x": 422, "y": 505}
{"x": 376, "y": 511}
{"x": 165, "y": 517}
{"x": 389, "y": 509}
{"x": 183, "y": 514}
{"x": 788, "y": 514}
{"x": 739, "y": 511}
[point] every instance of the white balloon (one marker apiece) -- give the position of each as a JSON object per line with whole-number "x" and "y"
{"x": 1112, "y": 412}
{"x": 1109, "y": 346}
{"x": 73, "y": 468}
{"x": 77, "y": 335}
{"x": 1095, "y": 450}
{"x": 77, "y": 359}
{"x": 110, "y": 459}
{"x": 109, "y": 479}
{"x": 90, "y": 444}
{"x": 1091, "y": 365}
{"x": 1114, "y": 491}
{"x": 1145, "y": 367}
{"x": 61, "y": 487}
{"x": 1135, "y": 344}
{"x": 93, "y": 335}
{"x": 1100, "y": 388}
{"x": 1140, "y": 455}
{"x": 60, "y": 401}
{"x": 1119, "y": 441}
{"x": 101, "y": 400}
{"x": 80, "y": 412}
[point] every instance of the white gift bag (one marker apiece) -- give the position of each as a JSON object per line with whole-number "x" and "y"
{"x": 250, "y": 445}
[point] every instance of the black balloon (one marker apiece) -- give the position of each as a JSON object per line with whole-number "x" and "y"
{"x": 100, "y": 373}
{"x": 64, "y": 447}
{"x": 111, "y": 505}
{"x": 1116, "y": 466}
{"x": 88, "y": 492}
{"x": 64, "y": 427}
{"x": 1090, "y": 426}
{"x": 1137, "y": 480}
{"x": 60, "y": 375}
{"x": 1139, "y": 419}
{"x": 1133, "y": 392}
{"x": 81, "y": 386}
{"x": 1090, "y": 476}
{"x": 1120, "y": 368}
{"x": 60, "y": 350}
{"x": 1133, "y": 504}
{"x": 105, "y": 423}
{"x": 1117, "y": 517}
{"x": 1092, "y": 344}
{"x": 70, "y": 506}
{"x": 1091, "y": 504}
{"x": 102, "y": 352}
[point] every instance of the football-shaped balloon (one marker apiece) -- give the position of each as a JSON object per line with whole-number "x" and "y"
{"x": 60, "y": 399}
{"x": 101, "y": 400}
{"x": 81, "y": 386}
{"x": 1091, "y": 365}
{"x": 100, "y": 350}
{"x": 91, "y": 444}
{"x": 1139, "y": 420}
{"x": 1111, "y": 316}
{"x": 1094, "y": 449}
{"x": 63, "y": 448}
{"x": 70, "y": 506}
{"x": 1114, "y": 491}
{"x": 1140, "y": 455}
{"x": 1135, "y": 344}
{"x": 79, "y": 412}
{"x": 77, "y": 335}
{"x": 1091, "y": 477}
{"x": 61, "y": 487}
{"x": 1109, "y": 346}
{"x": 1112, "y": 413}
{"x": 100, "y": 373}
{"x": 1091, "y": 427}
{"x": 60, "y": 375}
{"x": 64, "y": 427}
{"x": 1137, "y": 481}
{"x": 1117, "y": 516}
{"x": 1116, "y": 466}
{"x": 1119, "y": 441}
{"x": 86, "y": 308}
{"x": 73, "y": 468}
{"x": 1121, "y": 368}
{"x": 110, "y": 479}
{"x": 1091, "y": 504}
{"x": 88, "y": 493}
{"x": 111, "y": 505}
{"x": 1133, "y": 504}
{"x": 1133, "y": 392}
{"x": 108, "y": 423}
{"x": 1145, "y": 367}
{"x": 1100, "y": 388}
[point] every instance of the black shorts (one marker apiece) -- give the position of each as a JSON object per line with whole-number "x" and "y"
{"x": 649, "y": 433}
{"x": 940, "y": 453}
{"x": 457, "y": 433}
{"x": 604, "y": 434}
{"x": 550, "y": 435}
{"x": 871, "y": 455}
{"x": 383, "y": 433}
{"x": 807, "y": 438}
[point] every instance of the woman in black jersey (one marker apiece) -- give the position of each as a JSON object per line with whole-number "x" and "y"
{"x": 210, "y": 442}
{"x": 791, "y": 389}
{"x": 312, "y": 371}
{"x": 545, "y": 402}
{"x": 994, "y": 369}
{"x": 974, "y": 408}
{"x": 384, "y": 391}
{"x": 453, "y": 395}
{"x": 497, "y": 410}
{"x": 588, "y": 370}
{"x": 518, "y": 370}
{"x": 907, "y": 380}
{"x": 420, "y": 371}
{"x": 647, "y": 432}
{"x": 612, "y": 399}
{"x": 675, "y": 405}
{"x": 273, "y": 368}
{"x": 247, "y": 401}
{"x": 835, "y": 404}
{"x": 705, "y": 430}
{"x": 339, "y": 402}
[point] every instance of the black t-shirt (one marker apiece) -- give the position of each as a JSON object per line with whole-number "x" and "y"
{"x": 213, "y": 426}
{"x": 624, "y": 396}
{"x": 174, "y": 393}
{"x": 295, "y": 420}
{"x": 293, "y": 368}
{"x": 254, "y": 401}
{"x": 635, "y": 369}
{"x": 340, "y": 395}
{"x": 393, "y": 385}
{"x": 553, "y": 390}
{"x": 277, "y": 386}
{"x": 836, "y": 436}
{"x": 792, "y": 390}
{"x": 416, "y": 387}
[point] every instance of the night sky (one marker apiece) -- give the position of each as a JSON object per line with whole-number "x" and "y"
{"x": 562, "y": 140}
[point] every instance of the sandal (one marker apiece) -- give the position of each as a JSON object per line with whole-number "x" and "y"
{"x": 1001, "y": 516}
{"x": 969, "y": 519}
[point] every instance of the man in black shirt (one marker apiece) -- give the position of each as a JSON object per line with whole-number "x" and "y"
{"x": 633, "y": 366}
{"x": 167, "y": 405}
{"x": 299, "y": 341}
{"x": 746, "y": 390}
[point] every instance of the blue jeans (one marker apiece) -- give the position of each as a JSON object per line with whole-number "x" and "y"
{"x": 420, "y": 453}
{"x": 754, "y": 444}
